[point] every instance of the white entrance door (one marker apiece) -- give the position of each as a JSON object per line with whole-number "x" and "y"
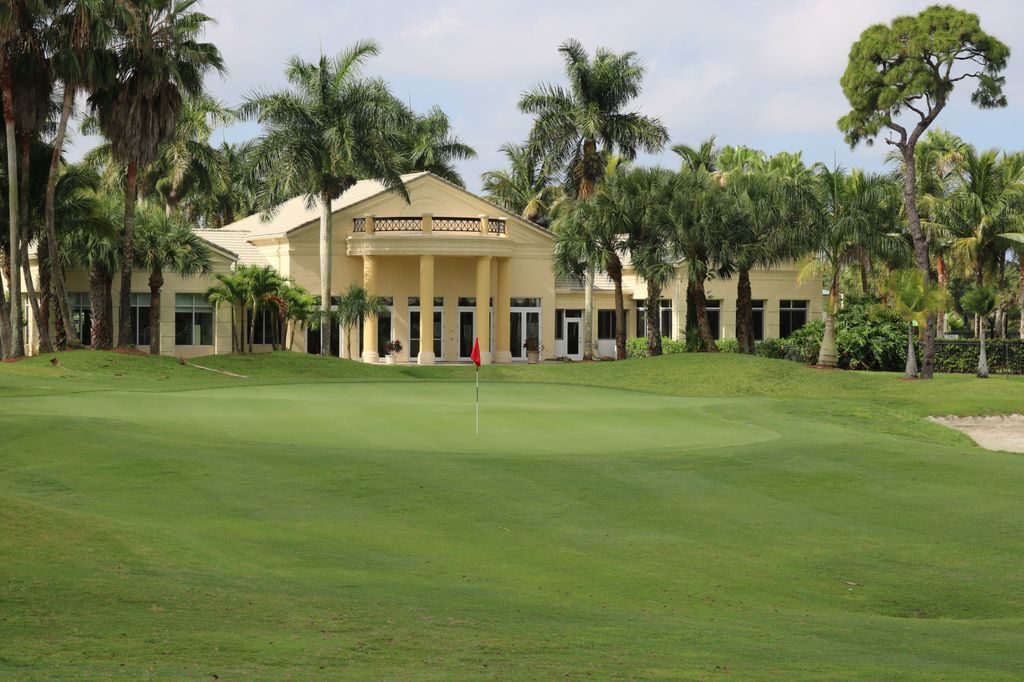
{"x": 573, "y": 347}
{"x": 524, "y": 324}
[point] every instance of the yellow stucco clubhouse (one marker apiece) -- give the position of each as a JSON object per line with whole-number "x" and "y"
{"x": 466, "y": 258}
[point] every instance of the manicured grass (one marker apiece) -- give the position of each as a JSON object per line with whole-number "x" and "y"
{"x": 693, "y": 517}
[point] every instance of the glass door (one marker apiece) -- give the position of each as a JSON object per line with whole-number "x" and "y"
{"x": 414, "y": 333}
{"x": 572, "y": 338}
{"x": 523, "y": 326}
{"x": 467, "y": 332}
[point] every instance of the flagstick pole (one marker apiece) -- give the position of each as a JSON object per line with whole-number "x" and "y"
{"x": 478, "y": 400}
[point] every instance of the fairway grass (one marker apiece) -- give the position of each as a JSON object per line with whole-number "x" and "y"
{"x": 686, "y": 517}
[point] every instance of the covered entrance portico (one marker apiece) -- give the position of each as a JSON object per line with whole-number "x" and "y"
{"x": 466, "y": 273}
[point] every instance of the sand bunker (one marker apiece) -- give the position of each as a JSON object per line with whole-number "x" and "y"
{"x": 1000, "y": 432}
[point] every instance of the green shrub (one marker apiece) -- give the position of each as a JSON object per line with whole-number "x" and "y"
{"x": 954, "y": 321}
{"x": 728, "y": 345}
{"x": 771, "y": 348}
{"x": 803, "y": 344}
{"x": 637, "y": 347}
{"x": 868, "y": 336}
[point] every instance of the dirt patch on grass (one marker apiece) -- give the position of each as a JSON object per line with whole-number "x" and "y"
{"x": 1000, "y": 432}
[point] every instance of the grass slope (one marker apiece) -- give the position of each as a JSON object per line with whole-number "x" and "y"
{"x": 688, "y": 517}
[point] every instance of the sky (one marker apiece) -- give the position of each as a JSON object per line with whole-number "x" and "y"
{"x": 761, "y": 74}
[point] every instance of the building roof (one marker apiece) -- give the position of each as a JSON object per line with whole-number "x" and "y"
{"x": 235, "y": 242}
{"x": 602, "y": 282}
{"x": 295, "y": 213}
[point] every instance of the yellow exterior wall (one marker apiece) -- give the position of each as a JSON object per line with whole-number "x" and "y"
{"x": 295, "y": 255}
{"x": 78, "y": 282}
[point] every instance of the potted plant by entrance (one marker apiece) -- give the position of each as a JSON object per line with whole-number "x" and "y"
{"x": 532, "y": 350}
{"x": 393, "y": 350}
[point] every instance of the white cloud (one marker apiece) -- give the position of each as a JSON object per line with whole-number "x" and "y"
{"x": 759, "y": 73}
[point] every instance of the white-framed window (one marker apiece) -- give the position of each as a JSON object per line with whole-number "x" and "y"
{"x": 664, "y": 318}
{"x": 264, "y": 330}
{"x": 714, "y": 308}
{"x": 414, "y": 327}
{"x": 193, "y": 320}
{"x": 140, "y": 318}
{"x": 792, "y": 316}
{"x": 81, "y": 317}
{"x": 757, "y": 307}
{"x": 605, "y": 325}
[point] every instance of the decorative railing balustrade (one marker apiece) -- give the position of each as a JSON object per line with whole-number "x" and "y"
{"x": 456, "y": 224}
{"x": 437, "y": 224}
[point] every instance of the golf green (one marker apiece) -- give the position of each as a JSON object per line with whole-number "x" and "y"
{"x": 298, "y": 529}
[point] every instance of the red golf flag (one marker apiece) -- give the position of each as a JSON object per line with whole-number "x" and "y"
{"x": 475, "y": 355}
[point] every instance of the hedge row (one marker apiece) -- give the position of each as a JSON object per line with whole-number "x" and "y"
{"x": 869, "y": 337}
{"x": 962, "y": 356}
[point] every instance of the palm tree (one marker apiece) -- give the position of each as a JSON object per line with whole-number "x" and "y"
{"x": 231, "y": 195}
{"x": 987, "y": 201}
{"x": 980, "y": 301}
{"x": 187, "y": 163}
{"x": 24, "y": 69}
{"x": 851, "y": 213}
{"x": 92, "y": 244}
{"x": 262, "y": 286}
{"x": 330, "y": 130}
{"x": 430, "y": 145}
{"x": 651, "y": 240}
{"x": 703, "y": 157}
{"x": 528, "y": 187}
{"x": 160, "y": 62}
{"x": 300, "y": 307}
{"x": 580, "y": 127}
{"x": 698, "y": 213}
{"x": 167, "y": 243}
{"x": 231, "y": 290}
{"x": 914, "y": 300}
{"x": 79, "y": 37}
{"x": 761, "y": 219}
{"x": 765, "y": 231}
{"x": 355, "y": 305}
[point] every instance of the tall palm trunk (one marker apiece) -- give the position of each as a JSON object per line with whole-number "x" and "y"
{"x": 700, "y": 302}
{"x": 744, "y": 313}
{"x": 100, "y": 282}
{"x": 982, "y": 359}
{"x": 943, "y": 278}
{"x": 827, "y": 356}
{"x": 615, "y": 273}
{"x": 57, "y": 281}
{"x": 865, "y": 270}
{"x": 252, "y": 325}
{"x": 16, "y": 346}
{"x": 37, "y": 314}
{"x": 156, "y": 283}
{"x": 124, "y": 326}
{"x": 326, "y": 247}
{"x": 652, "y": 311}
{"x": 588, "y": 316}
{"x": 911, "y": 370}
{"x": 25, "y": 144}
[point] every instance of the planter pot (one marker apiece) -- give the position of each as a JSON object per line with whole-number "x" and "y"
{"x": 532, "y": 357}
{"x": 389, "y": 360}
